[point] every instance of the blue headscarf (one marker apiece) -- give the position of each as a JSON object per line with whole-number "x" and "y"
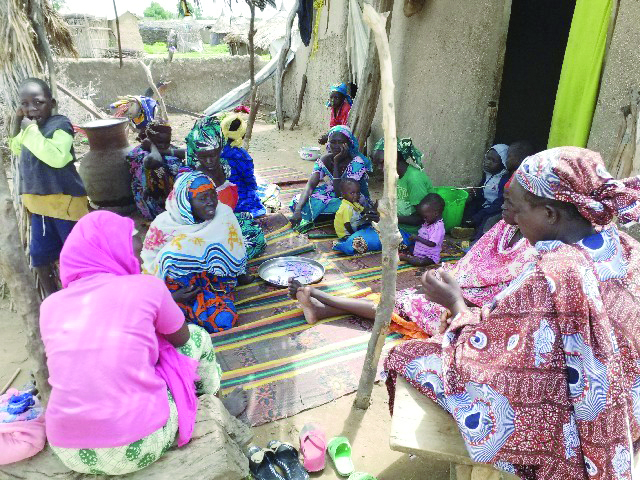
{"x": 342, "y": 88}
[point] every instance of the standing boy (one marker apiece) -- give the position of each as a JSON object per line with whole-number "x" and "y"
{"x": 50, "y": 186}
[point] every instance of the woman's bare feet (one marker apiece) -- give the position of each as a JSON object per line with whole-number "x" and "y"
{"x": 236, "y": 401}
{"x": 303, "y": 295}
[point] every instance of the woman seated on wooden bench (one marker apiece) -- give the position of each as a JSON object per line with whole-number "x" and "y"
{"x": 543, "y": 381}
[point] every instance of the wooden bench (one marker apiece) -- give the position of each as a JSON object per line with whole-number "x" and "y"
{"x": 421, "y": 427}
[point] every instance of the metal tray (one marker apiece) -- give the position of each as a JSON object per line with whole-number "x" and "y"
{"x": 278, "y": 271}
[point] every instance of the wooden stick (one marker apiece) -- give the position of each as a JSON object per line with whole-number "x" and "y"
{"x": 81, "y": 102}
{"x": 252, "y": 77}
{"x": 161, "y": 105}
{"x": 303, "y": 87}
{"x": 15, "y": 270}
{"x": 281, "y": 65}
{"x": 37, "y": 21}
{"x": 255, "y": 106}
{"x": 8, "y": 384}
{"x": 118, "y": 31}
{"x": 389, "y": 235}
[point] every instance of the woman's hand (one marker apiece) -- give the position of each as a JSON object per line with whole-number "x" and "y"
{"x": 153, "y": 161}
{"x": 296, "y": 218}
{"x": 185, "y": 294}
{"x": 341, "y": 156}
{"x": 440, "y": 287}
{"x": 445, "y": 320}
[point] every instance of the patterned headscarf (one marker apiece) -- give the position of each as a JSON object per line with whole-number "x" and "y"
{"x": 354, "y": 146}
{"x": 147, "y": 109}
{"x": 409, "y": 152}
{"x": 206, "y": 134}
{"x": 342, "y": 88}
{"x": 578, "y": 176}
{"x": 200, "y": 183}
{"x": 234, "y": 137}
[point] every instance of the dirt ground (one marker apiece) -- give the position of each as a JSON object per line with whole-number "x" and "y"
{"x": 368, "y": 431}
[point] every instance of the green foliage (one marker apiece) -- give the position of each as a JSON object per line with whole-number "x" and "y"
{"x": 195, "y": 10}
{"x": 157, "y": 12}
{"x": 58, "y": 4}
{"x": 161, "y": 48}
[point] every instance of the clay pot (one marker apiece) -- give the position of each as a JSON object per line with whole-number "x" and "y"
{"x": 104, "y": 168}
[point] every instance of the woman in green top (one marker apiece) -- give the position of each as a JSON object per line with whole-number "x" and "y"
{"x": 413, "y": 184}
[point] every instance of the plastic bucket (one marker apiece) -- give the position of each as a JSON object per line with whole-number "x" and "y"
{"x": 454, "y": 201}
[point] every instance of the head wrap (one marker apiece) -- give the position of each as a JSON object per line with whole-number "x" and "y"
{"x": 501, "y": 149}
{"x": 342, "y": 88}
{"x": 407, "y": 149}
{"x": 206, "y": 134}
{"x": 200, "y": 183}
{"x": 99, "y": 243}
{"x": 578, "y": 176}
{"x": 156, "y": 128}
{"x": 147, "y": 109}
{"x": 234, "y": 137}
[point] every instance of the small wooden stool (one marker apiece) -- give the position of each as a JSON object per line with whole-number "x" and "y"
{"x": 421, "y": 427}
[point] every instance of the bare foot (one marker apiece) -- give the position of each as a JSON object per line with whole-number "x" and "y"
{"x": 236, "y": 401}
{"x": 306, "y": 303}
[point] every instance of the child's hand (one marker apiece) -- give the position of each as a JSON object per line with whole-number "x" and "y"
{"x": 25, "y": 122}
{"x": 19, "y": 115}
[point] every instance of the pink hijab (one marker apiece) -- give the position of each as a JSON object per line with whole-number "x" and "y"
{"x": 101, "y": 243}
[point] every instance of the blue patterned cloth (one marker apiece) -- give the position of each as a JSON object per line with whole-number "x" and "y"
{"x": 242, "y": 175}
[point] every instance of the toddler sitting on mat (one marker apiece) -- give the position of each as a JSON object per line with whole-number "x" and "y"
{"x": 428, "y": 241}
{"x": 348, "y": 217}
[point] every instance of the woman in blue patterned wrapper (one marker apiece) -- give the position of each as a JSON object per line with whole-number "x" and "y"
{"x": 544, "y": 381}
{"x": 241, "y": 170}
{"x": 321, "y": 195}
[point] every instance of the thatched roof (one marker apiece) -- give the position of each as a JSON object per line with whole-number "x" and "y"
{"x": 19, "y": 56}
{"x": 267, "y": 32}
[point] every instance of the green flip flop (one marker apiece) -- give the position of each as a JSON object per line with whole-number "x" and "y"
{"x": 361, "y": 476}
{"x": 339, "y": 450}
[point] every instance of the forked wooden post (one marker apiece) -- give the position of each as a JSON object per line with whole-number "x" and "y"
{"x": 253, "y": 106}
{"x": 282, "y": 60}
{"x": 389, "y": 235}
{"x": 163, "y": 108}
{"x": 15, "y": 271}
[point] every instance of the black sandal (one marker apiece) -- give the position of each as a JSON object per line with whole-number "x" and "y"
{"x": 262, "y": 464}
{"x": 286, "y": 457}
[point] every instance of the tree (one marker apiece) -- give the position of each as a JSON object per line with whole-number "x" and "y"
{"x": 195, "y": 10}
{"x": 156, "y": 12}
{"x": 58, "y": 4}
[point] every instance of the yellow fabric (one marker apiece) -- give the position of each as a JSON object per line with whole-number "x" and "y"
{"x": 317, "y": 5}
{"x": 580, "y": 77}
{"x": 54, "y": 151}
{"x": 236, "y": 135}
{"x": 64, "y": 207}
{"x": 343, "y": 215}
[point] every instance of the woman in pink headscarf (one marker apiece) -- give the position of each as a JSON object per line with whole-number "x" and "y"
{"x": 124, "y": 367}
{"x": 544, "y": 381}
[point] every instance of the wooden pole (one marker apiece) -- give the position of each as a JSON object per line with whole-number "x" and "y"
{"x": 303, "y": 87}
{"x": 368, "y": 93}
{"x": 11, "y": 380}
{"x": 161, "y": 105}
{"x": 388, "y": 226}
{"x": 252, "y": 77}
{"x": 281, "y": 64}
{"x": 15, "y": 270}
{"x": 37, "y": 21}
{"x": 118, "y": 31}
{"x": 96, "y": 113}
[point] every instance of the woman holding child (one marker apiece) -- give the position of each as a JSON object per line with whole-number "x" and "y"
{"x": 321, "y": 195}
{"x": 543, "y": 380}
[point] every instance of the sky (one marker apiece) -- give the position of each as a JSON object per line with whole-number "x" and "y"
{"x": 212, "y": 8}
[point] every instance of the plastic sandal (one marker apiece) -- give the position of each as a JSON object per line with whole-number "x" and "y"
{"x": 262, "y": 464}
{"x": 361, "y": 476}
{"x": 339, "y": 450}
{"x": 313, "y": 444}
{"x": 286, "y": 457}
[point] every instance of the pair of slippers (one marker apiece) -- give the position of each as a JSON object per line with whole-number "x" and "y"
{"x": 313, "y": 444}
{"x": 264, "y": 463}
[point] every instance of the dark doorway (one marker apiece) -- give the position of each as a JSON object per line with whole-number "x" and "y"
{"x": 536, "y": 41}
